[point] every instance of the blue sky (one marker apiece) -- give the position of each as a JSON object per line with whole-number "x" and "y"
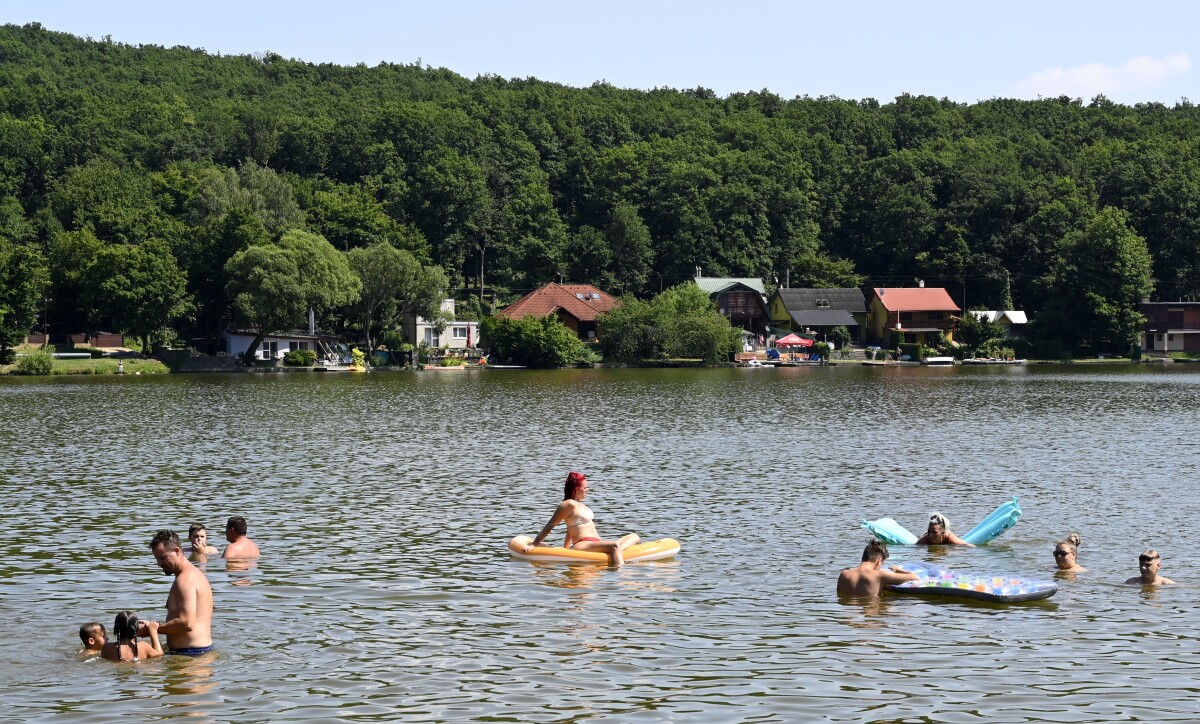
{"x": 966, "y": 50}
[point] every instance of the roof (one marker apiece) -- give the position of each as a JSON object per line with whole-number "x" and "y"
{"x": 915, "y": 299}
{"x": 582, "y": 301}
{"x": 716, "y": 285}
{"x": 795, "y": 300}
{"x": 992, "y": 315}
{"x": 823, "y": 318}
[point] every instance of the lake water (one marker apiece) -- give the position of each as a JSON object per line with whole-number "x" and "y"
{"x": 383, "y": 504}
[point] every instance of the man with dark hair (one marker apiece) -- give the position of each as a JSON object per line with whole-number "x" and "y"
{"x": 869, "y": 578}
{"x": 189, "y": 604}
{"x": 239, "y": 545}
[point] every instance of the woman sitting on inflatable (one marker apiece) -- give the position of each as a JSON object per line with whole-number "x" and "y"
{"x": 939, "y": 533}
{"x": 581, "y": 531}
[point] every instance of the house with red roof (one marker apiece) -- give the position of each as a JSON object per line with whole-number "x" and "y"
{"x": 916, "y": 312}
{"x": 578, "y": 306}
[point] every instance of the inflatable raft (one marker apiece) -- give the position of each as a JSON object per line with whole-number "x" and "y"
{"x": 998, "y": 588}
{"x": 1000, "y": 520}
{"x": 654, "y": 550}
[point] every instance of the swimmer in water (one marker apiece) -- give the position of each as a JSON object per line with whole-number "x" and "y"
{"x": 198, "y": 538}
{"x": 938, "y": 533}
{"x": 1066, "y": 552}
{"x": 869, "y": 578}
{"x": 1149, "y": 564}
{"x": 126, "y": 647}
{"x": 93, "y": 637}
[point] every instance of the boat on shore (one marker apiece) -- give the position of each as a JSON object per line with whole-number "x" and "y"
{"x": 943, "y": 361}
{"x": 992, "y": 361}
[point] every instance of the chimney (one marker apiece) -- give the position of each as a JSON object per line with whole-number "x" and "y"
{"x": 312, "y": 322}
{"x": 920, "y": 284}
{"x": 698, "y": 274}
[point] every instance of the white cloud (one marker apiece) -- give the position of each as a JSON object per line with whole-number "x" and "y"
{"x": 1085, "y": 81}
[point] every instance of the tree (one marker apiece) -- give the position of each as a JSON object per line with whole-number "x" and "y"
{"x": 682, "y": 322}
{"x": 139, "y": 288}
{"x": 392, "y": 281}
{"x": 1102, "y": 273}
{"x": 23, "y": 283}
{"x": 272, "y": 287}
{"x": 631, "y": 249}
{"x": 539, "y": 342}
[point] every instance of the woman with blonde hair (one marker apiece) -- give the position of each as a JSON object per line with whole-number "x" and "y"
{"x": 1065, "y": 554}
{"x": 938, "y": 533}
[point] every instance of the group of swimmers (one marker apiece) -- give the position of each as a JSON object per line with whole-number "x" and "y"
{"x": 188, "y": 627}
{"x": 870, "y": 577}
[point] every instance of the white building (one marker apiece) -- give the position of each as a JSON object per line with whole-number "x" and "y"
{"x": 456, "y": 335}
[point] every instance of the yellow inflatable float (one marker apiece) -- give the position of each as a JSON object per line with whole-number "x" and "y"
{"x": 654, "y": 550}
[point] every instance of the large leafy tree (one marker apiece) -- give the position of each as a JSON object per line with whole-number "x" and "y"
{"x": 393, "y": 281}
{"x": 681, "y": 322}
{"x": 272, "y": 287}
{"x": 1103, "y": 271}
{"x": 140, "y": 289}
{"x": 24, "y": 279}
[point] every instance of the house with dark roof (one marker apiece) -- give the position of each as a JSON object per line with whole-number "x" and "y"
{"x": 917, "y": 313}
{"x": 817, "y": 311}
{"x": 578, "y": 306}
{"x": 743, "y": 300}
{"x": 1170, "y": 326}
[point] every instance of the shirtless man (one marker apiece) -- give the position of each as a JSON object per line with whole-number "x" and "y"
{"x": 239, "y": 545}
{"x": 188, "y": 627}
{"x": 1148, "y": 564}
{"x": 868, "y": 579}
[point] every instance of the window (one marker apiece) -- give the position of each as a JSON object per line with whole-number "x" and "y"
{"x": 1170, "y": 338}
{"x": 431, "y": 337}
{"x": 270, "y": 350}
{"x": 300, "y": 345}
{"x": 460, "y": 332}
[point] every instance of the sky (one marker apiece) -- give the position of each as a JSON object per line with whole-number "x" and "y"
{"x": 964, "y": 50}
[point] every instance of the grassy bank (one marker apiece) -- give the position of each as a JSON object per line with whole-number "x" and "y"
{"x": 101, "y": 366}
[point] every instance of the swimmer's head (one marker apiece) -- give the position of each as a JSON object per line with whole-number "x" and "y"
{"x": 939, "y": 520}
{"x": 125, "y": 627}
{"x": 1148, "y": 563}
{"x": 198, "y": 535}
{"x": 876, "y": 550}
{"x": 237, "y": 524}
{"x": 574, "y": 480}
{"x": 92, "y": 635}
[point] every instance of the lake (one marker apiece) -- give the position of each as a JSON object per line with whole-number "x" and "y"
{"x": 383, "y": 504}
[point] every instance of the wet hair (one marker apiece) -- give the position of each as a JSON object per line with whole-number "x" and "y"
{"x": 91, "y": 630}
{"x": 875, "y": 550}
{"x": 166, "y": 538}
{"x": 574, "y": 480}
{"x": 1072, "y": 540}
{"x": 238, "y": 523}
{"x": 195, "y": 528}
{"x": 936, "y": 518}
{"x": 125, "y": 630}
{"x": 1149, "y": 555}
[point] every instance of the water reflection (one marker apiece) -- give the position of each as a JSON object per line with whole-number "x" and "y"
{"x": 395, "y": 603}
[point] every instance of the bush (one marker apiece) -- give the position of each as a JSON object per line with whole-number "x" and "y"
{"x": 452, "y": 362}
{"x": 40, "y": 362}
{"x": 840, "y": 336}
{"x": 915, "y": 351}
{"x": 534, "y": 341}
{"x": 300, "y": 358}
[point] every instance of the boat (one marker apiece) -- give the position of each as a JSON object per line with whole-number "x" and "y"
{"x": 992, "y": 361}
{"x": 944, "y": 361}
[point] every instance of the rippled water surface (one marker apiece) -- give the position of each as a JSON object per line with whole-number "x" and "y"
{"x": 383, "y": 503}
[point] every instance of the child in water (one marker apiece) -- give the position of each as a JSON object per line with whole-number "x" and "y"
{"x": 93, "y": 637}
{"x": 127, "y": 647}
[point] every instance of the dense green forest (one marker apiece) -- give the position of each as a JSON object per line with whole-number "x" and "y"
{"x": 145, "y": 188}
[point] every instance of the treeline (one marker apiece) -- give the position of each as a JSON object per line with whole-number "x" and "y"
{"x": 171, "y": 161}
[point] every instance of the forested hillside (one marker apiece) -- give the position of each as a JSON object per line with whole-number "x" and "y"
{"x": 130, "y": 176}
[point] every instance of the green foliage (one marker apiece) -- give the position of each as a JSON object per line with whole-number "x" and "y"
{"x": 24, "y": 280}
{"x": 452, "y": 362}
{"x": 682, "y": 322}
{"x": 504, "y": 185}
{"x": 38, "y": 362}
{"x": 974, "y": 331}
{"x": 139, "y": 289}
{"x": 822, "y": 348}
{"x": 914, "y": 351}
{"x": 300, "y": 358}
{"x": 539, "y": 342}
{"x": 840, "y": 336}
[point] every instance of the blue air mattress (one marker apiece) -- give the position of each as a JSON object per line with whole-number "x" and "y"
{"x": 1000, "y": 520}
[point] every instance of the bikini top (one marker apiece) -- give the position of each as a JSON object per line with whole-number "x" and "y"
{"x": 580, "y": 518}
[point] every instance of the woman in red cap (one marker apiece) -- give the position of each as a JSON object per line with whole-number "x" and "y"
{"x": 581, "y": 531}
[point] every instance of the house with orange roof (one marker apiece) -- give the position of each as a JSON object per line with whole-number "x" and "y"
{"x": 578, "y": 306}
{"x": 916, "y": 312}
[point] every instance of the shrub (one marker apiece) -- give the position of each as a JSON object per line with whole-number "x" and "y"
{"x": 534, "y": 341}
{"x": 452, "y": 362}
{"x": 915, "y": 351}
{"x": 40, "y": 362}
{"x": 300, "y": 358}
{"x": 840, "y": 336}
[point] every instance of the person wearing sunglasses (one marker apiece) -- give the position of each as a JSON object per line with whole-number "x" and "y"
{"x": 1065, "y": 553}
{"x": 1149, "y": 564}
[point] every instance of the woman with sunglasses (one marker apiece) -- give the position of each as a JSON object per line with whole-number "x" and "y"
{"x": 1065, "y": 555}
